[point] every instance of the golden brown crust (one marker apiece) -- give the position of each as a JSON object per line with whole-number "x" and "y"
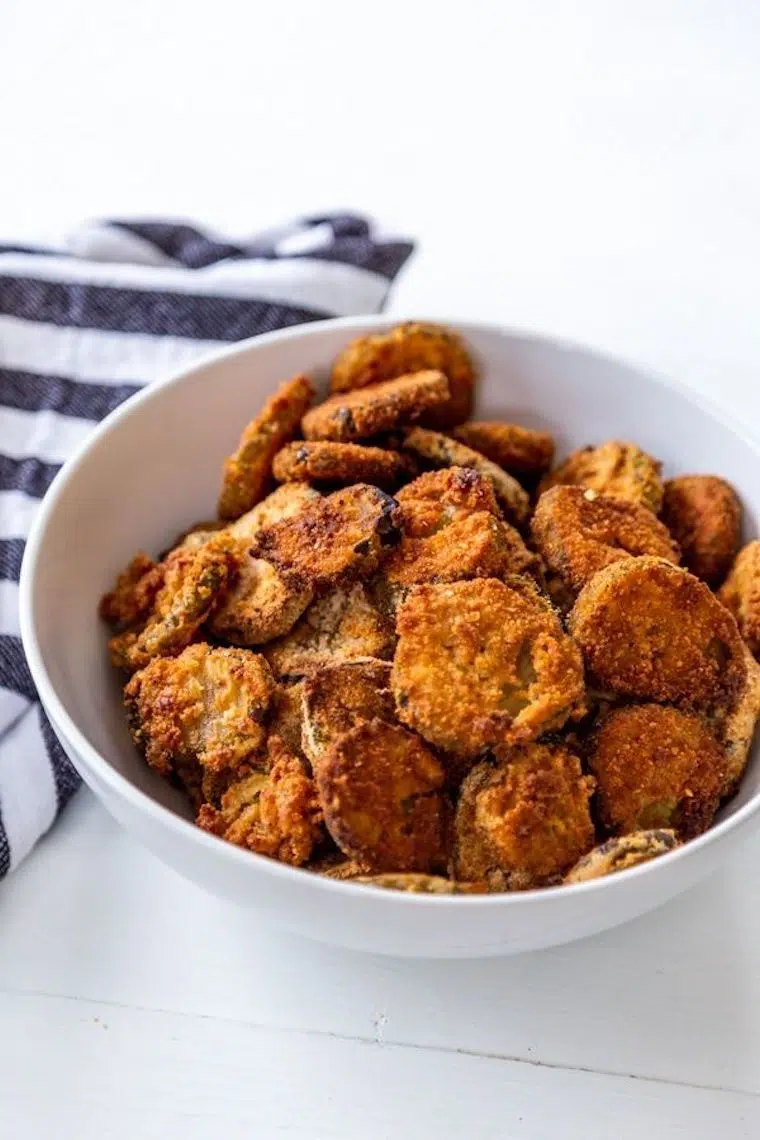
{"x": 264, "y": 601}
{"x": 381, "y": 792}
{"x": 476, "y": 546}
{"x": 337, "y": 697}
{"x": 524, "y": 820}
{"x": 437, "y": 498}
{"x": 132, "y": 598}
{"x": 248, "y": 472}
{"x": 656, "y": 766}
{"x": 206, "y": 707}
{"x": 622, "y": 852}
{"x": 579, "y": 532}
{"x": 740, "y": 593}
{"x": 411, "y": 347}
{"x": 323, "y": 462}
{"x": 651, "y": 630}
{"x": 618, "y": 469}
{"x": 515, "y": 448}
{"x": 195, "y": 536}
{"x": 443, "y": 451}
{"x": 336, "y": 540}
{"x": 379, "y": 408}
{"x": 335, "y": 865}
{"x": 238, "y": 812}
{"x": 276, "y": 814}
{"x": 733, "y": 722}
{"x": 483, "y": 663}
{"x": 287, "y": 715}
{"x": 703, "y": 514}
{"x": 194, "y": 582}
{"x": 285, "y": 502}
{"x": 345, "y": 625}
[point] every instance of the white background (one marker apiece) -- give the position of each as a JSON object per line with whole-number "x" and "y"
{"x": 583, "y": 168}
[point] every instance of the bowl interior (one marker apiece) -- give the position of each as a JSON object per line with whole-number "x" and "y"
{"x": 153, "y": 469}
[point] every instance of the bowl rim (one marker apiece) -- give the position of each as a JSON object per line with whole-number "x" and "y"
{"x": 142, "y": 802}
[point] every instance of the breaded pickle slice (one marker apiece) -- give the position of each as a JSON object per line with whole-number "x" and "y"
{"x": 285, "y": 502}
{"x": 622, "y": 852}
{"x": 247, "y": 473}
{"x": 263, "y": 602}
{"x": 616, "y": 468}
{"x": 333, "y": 464}
{"x": 411, "y": 347}
{"x": 442, "y": 451}
{"x": 340, "y": 538}
{"x": 276, "y": 813}
{"x": 517, "y": 449}
{"x": 656, "y": 766}
{"x": 380, "y": 408}
{"x": 194, "y": 582}
{"x": 337, "y": 697}
{"x": 740, "y": 593}
{"x": 344, "y": 625}
{"x": 207, "y": 707}
{"x": 382, "y": 794}
{"x": 703, "y": 514}
{"x": 483, "y": 663}
{"x": 651, "y": 630}
{"x": 523, "y": 820}
{"x": 579, "y": 532}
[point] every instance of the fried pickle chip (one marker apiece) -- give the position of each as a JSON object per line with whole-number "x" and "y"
{"x": 579, "y": 532}
{"x": 335, "y": 865}
{"x": 285, "y": 502}
{"x": 656, "y": 766}
{"x": 740, "y": 593}
{"x": 411, "y": 347}
{"x": 336, "y": 540}
{"x": 248, "y": 473}
{"x": 194, "y": 582}
{"x": 622, "y": 852}
{"x": 437, "y": 498}
{"x": 323, "y": 462}
{"x": 445, "y": 452}
{"x": 483, "y": 663}
{"x": 287, "y": 715}
{"x": 132, "y": 598}
{"x": 476, "y": 546}
{"x": 516, "y": 449}
{"x": 337, "y": 697}
{"x": 523, "y": 821}
{"x": 415, "y": 883}
{"x": 381, "y": 793}
{"x": 276, "y": 814}
{"x": 379, "y": 408}
{"x": 264, "y": 601}
{"x": 620, "y": 470}
{"x": 703, "y": 514}
{"x": 203, "y": 711}
{"x": 479, "y": 543}
{"x": 734, "y": 722}
{"x": 651, "y": 630}
{"x": 195, "y": 536}
{"x": 344, "y": 625}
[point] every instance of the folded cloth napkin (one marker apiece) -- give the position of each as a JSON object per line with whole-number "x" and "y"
{"x": 81, "y": 329}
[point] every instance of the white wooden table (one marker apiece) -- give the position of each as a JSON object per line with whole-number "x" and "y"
{"x": 585, "y": 169}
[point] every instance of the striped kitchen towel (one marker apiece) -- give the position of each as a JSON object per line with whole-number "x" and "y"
{"x": 82, "y": 328}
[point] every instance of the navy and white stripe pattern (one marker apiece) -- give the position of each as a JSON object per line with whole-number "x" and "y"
{"x": 81, "y": 329}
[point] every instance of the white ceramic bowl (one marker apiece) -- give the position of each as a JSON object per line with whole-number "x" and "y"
{"x": 153, "y": 468}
